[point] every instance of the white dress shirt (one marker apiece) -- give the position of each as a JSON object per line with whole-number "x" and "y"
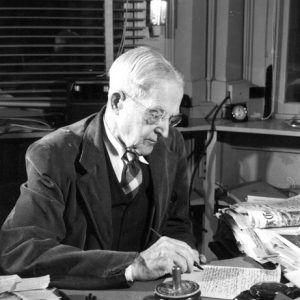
{"x": 116, "y": 151}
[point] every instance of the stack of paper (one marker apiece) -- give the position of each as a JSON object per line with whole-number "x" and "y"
{"x": 267, "y": 229}
{"x": 26, "y": 288}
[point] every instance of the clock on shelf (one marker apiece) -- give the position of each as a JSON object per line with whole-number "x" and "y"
{"x": 239, "y": 112}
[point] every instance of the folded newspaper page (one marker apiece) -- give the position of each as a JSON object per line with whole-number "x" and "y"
{"x": 267, "y": 213}
{"x": 247, "y": 239}
{"x": 285, "y": 250}
{"x": 267, "y": 229}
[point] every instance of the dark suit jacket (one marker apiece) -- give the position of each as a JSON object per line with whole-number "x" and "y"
{"x": 68, "y": 193}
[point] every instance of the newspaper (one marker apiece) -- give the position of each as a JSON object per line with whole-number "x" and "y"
{"x": 285, "y": 252}
{"x": 263, "y": 212}
{"x": 247, "y": 240}
{"x": 267, "y": 229}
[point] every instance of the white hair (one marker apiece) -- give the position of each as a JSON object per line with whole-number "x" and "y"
{"x": 139, "y": 70}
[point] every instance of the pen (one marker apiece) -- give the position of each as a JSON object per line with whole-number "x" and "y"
{"x": 159, "y": 235}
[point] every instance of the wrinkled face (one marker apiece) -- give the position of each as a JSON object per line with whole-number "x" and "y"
{"x": 135, "y": 125}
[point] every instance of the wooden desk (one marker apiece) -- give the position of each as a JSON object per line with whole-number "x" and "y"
{"x": 144, "y": 290}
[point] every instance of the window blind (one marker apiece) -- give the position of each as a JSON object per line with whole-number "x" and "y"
{"x": 46, "y": 44}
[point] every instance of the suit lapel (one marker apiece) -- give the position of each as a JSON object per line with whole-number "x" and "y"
{"x": 94, "y": 185}
{"x": 161, "y": 164}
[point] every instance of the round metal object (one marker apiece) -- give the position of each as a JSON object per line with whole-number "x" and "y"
{"x": 177, "y": 288}
{"x": 189, "y": 291}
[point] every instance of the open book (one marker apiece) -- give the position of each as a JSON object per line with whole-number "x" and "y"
{"x": 267, "y": 229}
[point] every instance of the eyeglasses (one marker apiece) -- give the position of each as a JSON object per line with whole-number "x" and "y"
{"x": 156, "y": 115}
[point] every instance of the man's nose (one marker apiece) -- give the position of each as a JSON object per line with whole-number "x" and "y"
{"x": 163, "y": 128}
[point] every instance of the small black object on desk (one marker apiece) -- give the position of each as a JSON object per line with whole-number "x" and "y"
{"x": 269, "y": 291}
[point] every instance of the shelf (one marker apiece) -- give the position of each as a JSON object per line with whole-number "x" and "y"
{"x": 271, "y": 127}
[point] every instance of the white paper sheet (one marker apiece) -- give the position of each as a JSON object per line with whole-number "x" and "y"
{"x": 294, "y": 277}
{"x": 227, "y": 282}
{"x": 33, "y": 283}
{"x": 38, "y": 295}
{"x": 8, "y": 282}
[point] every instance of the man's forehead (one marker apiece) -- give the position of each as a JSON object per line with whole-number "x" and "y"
{"x": 171, "y": 109}
{"x": 166, "y": 96}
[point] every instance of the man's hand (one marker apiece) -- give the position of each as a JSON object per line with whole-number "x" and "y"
{"x": 159, "y": 259}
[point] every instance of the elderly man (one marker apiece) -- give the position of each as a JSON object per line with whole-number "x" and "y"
{"x": 98, "y": 189}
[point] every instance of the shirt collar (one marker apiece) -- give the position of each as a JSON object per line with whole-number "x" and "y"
{"x": 115, "y": 147}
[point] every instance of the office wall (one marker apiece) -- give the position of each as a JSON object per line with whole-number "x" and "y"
{"x": 236, "y": 49}
{"x": 248, "y": 157}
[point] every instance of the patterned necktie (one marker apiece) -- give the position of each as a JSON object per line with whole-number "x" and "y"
{"x": 131, "y": 174}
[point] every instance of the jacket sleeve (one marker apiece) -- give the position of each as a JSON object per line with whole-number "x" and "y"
{"x": 177, "y": 223}
{"x": 32, "y": 239}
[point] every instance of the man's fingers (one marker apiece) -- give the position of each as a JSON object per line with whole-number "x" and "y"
{"x": 196, "y": 255}
{"x": 164, "y": 265}
{"x": 181, "y": 253}
{"x": 181, "y": 262}
{"x": 178, "y": 245}
{"x": 160, "y": 258}
{"x": 203, "y": 259}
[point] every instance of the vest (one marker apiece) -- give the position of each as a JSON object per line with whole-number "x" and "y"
{"x": 130, "y": 217}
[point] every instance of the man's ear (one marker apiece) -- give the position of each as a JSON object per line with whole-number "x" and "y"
{"x": 117, "y": 100}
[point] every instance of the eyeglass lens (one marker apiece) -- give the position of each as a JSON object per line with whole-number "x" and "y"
{"x": 155, "y": 116}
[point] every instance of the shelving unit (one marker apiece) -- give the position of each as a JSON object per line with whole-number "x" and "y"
{"x": 273, "y": 127}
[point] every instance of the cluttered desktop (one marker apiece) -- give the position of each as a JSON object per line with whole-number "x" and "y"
{"x": 263, "y": 232}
